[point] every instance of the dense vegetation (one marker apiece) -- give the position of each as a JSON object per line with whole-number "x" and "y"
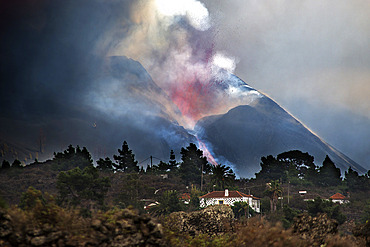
{"x": 71, "y": 188}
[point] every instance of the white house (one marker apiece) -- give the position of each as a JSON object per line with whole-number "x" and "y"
{"x": 229, "y": 198}
{"x": 339, "y": 198}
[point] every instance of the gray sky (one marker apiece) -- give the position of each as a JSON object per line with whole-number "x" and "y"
{"x": 312, "y": 57}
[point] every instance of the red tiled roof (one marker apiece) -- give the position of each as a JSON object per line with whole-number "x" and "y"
{"x": 185, "y": 196}
{"x": 221, "y": 194}
{"x": 338, "y": 196}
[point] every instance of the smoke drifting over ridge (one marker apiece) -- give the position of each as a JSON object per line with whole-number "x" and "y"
{"x": 52, "y": 55}
{"x": 174, "y": 42}
{"x": 50, "y": 52}
{"x": 310, "y": 56}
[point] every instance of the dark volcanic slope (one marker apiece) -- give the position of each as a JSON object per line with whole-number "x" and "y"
{"x": 117, "y": 101}
{"x": 246, "y": 133}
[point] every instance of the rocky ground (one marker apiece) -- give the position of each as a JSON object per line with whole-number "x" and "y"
{"x": 212, "y": 220}
{"x": 50, "y": 225}
{"x": 120, "y": 228}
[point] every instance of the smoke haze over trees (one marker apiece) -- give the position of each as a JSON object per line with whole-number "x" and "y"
{"x": 58, "y": 86}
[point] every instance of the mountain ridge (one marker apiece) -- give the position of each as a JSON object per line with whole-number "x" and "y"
{"x": 264, "y": 128}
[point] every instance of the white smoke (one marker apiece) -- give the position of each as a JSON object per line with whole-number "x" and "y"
{"x": 175, "y": 37}
{"x": 196, "y": 13}
{"x": 221, "y": 61}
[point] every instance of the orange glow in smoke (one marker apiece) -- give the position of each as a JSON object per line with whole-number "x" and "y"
{"x": 194, "y": 99}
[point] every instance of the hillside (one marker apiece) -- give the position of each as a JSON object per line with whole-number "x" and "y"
{"x": 246, "y": 133}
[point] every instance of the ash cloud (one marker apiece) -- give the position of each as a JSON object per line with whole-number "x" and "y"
{"x": 55, "y": 80}
{"x": 174, "y": 42}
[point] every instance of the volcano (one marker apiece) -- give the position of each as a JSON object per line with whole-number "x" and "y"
{"x": 118, "y": 100}
{"x": 247, "y": 132}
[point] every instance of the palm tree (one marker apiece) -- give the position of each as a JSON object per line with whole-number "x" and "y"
{"x": 222, "y": 176}
{"x": 242, "y": 208}
{"x": 273, "y": 191}
{"x": 169, "y": 202}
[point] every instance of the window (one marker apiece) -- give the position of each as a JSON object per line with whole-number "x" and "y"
{"x": 220, "y": 202}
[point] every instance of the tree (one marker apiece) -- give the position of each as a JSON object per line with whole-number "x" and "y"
{"x": 273, "y": 191}
{"x": 82, "y": 187}
{"x": 85, "y": 154}
{"x": 366, "y": 214}
{"x": 302, "y": 163}
{"x": 16, "y": 164}
{"x": 41, "y": 207}
{"x": 194, "y": 203}
{"x": 126, "y": 160}
{"x": 169, "y": 202}
{"x": 363, "y": 231}
{"x": 69, "y": 152}
{"x": 105, "y": 165}
{"x": 30, "y": 198}
{"x": 328, "y": 207}
{"x": 172, "y": 162}
{"x": 3, "y": 203}
{"x": 271, "y": 169}
{"x": 242, "y": 209}
{"x": 289, "y": 215}
{"x": 5, "y": 164}
{"x": 72, "y": 157}
{"x": 354, "y": 181}
{"x": 193, "y": 165}
{"x": 162, "y": 167}
{"x": 132, "y": 189}
{"x": 329, "y": 174}
{"x": 293, "y": 165}
{"x": 222, "y": 176}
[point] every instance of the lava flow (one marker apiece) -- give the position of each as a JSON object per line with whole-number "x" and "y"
{"x": 206, "y": 152}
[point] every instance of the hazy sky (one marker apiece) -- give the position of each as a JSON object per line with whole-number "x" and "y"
{"x": 312, "y": 57}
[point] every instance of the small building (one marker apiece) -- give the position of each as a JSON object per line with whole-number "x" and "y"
{"x": 339, "y": 198}
{"x": 185, "y": 198}
{"x": 229, "y": 198}
{"x": 307, "y": 196}
{"x": 302, "y": 192}
{"x": 148, "y": 203}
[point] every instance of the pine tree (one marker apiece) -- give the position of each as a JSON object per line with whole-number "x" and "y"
{"x": 126, "y": 160}
{"x": 86, "y": 154}
{"x": 354, "y": 181}
{"x": 105, "y": 165}
{"x": 163, "y": 167}
{"x": 5, "y": 164}
{"x": 172, "y": 160}
{"x": 193, "y": 163}
{"x": 329, "y": 174}
{"x": 16, "y": 164}
{"x": 69, "y": 152}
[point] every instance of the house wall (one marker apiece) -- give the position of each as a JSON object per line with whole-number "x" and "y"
{"x": 340, "y": 201}
{"x": 254, "y": 204}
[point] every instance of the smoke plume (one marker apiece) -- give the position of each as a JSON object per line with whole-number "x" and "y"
{"x": 174, "y": 42}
